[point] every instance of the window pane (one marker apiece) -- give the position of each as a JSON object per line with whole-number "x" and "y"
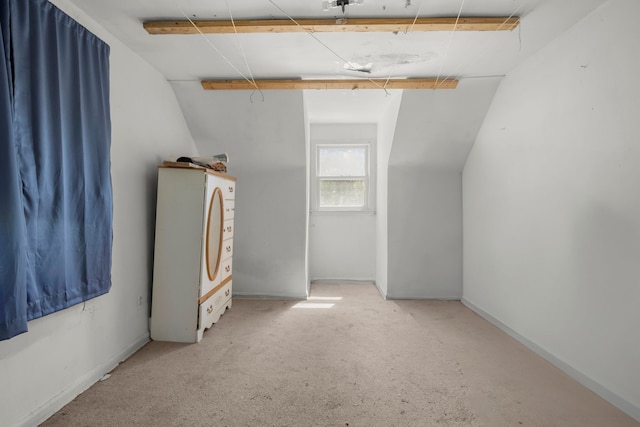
{"x": 348, "y": 193}
{"x": 336, "y": 161}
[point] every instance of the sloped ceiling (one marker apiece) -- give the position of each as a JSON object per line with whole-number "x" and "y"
{"x": 438, "y": 128}
{"x": 349, "y": 106}
{"x": 462, "y": 55}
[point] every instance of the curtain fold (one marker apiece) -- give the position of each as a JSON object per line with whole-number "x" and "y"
{"x": 13, "y": 287}
{"x": 62, "y": 133}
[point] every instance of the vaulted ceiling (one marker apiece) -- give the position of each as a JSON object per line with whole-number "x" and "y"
{"x": 459, "y": 54}
{"x": 452, "y": 54}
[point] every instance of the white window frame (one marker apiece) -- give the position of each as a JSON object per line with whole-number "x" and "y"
{"x": 369, "y": 178}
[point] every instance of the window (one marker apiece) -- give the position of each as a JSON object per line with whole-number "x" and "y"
{"x": 342, "y": 177}
{"x": 56, "y": 222}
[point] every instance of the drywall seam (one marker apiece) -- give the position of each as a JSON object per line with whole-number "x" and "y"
{"x": 57, "y": 402}
{"x": 611, "y": 397}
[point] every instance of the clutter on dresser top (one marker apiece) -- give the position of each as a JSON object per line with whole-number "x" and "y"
{"x": 217, "y": 162}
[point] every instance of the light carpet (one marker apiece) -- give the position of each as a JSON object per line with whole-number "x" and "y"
{"x": 346, "y": 357}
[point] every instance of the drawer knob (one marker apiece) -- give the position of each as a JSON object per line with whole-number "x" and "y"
{"x": 228, "y": 248}
{"x": 229, "y": 228}
{"x": 227, "y": 268}
{"x": 226, "y": 293}
{"x": 230, "y": 189}
{"x": 210, "y": 309}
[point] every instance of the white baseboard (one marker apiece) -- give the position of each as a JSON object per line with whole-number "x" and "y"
{"x": 333, "y": 281}
{"x": 383, "y": 294}
{"x": 611, "y": 397}
{"x": 391, "y": 296}
{"x": 58, "y": 401}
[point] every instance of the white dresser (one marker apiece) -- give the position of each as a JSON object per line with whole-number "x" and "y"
{"x": 193, "y": 252}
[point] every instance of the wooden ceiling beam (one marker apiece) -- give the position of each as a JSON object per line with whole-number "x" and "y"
{"x": 333, "y": 25}
{"x": 428, "y": 83}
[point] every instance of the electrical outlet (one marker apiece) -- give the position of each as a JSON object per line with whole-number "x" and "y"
{"x": 140, "y": 301}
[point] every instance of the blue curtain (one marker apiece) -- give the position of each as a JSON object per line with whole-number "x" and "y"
{"x": 13, "y": 285}
{"x": 61, "y": 243}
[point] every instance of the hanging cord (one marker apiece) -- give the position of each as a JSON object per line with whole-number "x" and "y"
{"x": 408, "y": 30}
{"x": 253, "y": 93}
{"x": 214, "y": 47}
{"x": 413, "y": 24}
{"x": 487, "y": 47}
{"x": 320, "y": 41}
{"x": 244, "y": 55}
{"x": 520, "y": 38}
{"x": 446, "y": 52}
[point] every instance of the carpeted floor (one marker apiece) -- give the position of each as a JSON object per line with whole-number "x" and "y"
{"x": 346, "y": 357}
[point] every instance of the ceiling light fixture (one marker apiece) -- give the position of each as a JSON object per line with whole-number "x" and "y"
{"x": 330, "y": 4}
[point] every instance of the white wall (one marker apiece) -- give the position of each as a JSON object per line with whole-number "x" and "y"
{"x": 386, "y": 131}
{"x": 307, "y": 150}
{"x": 342, "y": 245}
{"x": 425, "y": 233}
{"x": 265, "y": 139}
{"x": 65, "y": 352}
{"x": 433, "y": 135}
{"x": 552, "y": 207}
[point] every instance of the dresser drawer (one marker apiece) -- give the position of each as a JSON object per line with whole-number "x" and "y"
{"x": 227, "y": 249}
{"x": 226, "y": 268}
{"x": 227, "y": 229}
{"x": 228, "y": 188}
{"x": 213, "y": 307}
{"x": 229, "y": 209}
